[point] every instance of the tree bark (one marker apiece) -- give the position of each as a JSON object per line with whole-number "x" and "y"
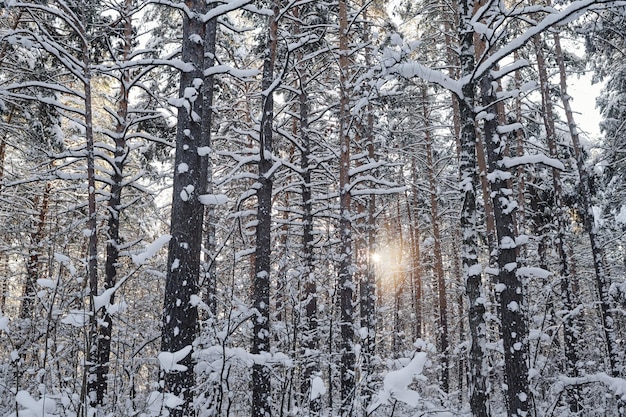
{"x": 261, "y": 383}
{"x": 442, "y": 324}
{"x": 472, "y": 271}
{"x": 566, "y": 276}
{"x": 210, "y": 280}
{"x": 345, "y": 223}
{"x": 514, "y": 328}
{"x": 180, "y": 314}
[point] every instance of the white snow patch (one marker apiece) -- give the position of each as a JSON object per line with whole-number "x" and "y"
{"x": 511, "y": 162}
{"x": 103, "y": 299}
{"x": 318, "y": 388}
{"x": 157, "y": 400}
{"x": 182, "y": 168}
{"x": 66, "y": 262}
{"x": 47, "y": 283}
{"x": 187, "y": 192}
{"x": 395, "y": 383}
{"x": 169, "y": 360}
{"x": 151, "y": 250}
{"x": 213, "y": 199}
{"x": 34, "y": 408}
{"x": 474, "y": 270}
{"x": 76, "y": 318}
{"x": 532, "y": 272}
{"x": 4, "y": 322}
{"x": 204, "y": 150}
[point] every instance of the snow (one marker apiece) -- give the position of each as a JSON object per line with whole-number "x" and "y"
{"x": 4, "y": 323}
{"x": 620, "y": 218}
{"x": 204, "y": 150}
{"x": 66, "y": 262}
{"x": 182, "y": 168}
{"x": 103, "y": 299}
{"x": 213, "y": 199}
{"x": 318, "y": 388}
{"x": 532, "y": 159}
{"x": 187, "y": 192}
{"x": 617, "y": 385}
{"x": 157, "y": 400}
{"x": 474, "y": 270}
{"x": 235, "y": 72}
{"x": 533, "y": 272}
{"x": 34, "y": 408}
{"x": 169, "y": 360}
{"x": 151, "y": 250}
{"x": 76, "y": 318}
{"x": 415, "y": 69}
{"x": 395, "y": 384}
{"x": 47, "y": 283}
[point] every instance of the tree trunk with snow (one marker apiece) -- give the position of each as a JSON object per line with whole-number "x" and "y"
{"x": 514, "y": 328}
{"x": 345, "y": 223}
{"x": 261, "y": 382}
{"x": 442, "y": 298}
{"x": 468, "y": 173}
{"x": 180, "y": 315}
{"x": 566, "y": 277}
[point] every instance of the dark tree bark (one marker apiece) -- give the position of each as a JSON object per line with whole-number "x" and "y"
{"x": 345, "y": 223}
{"x": 310, "y": 333}
{"x": 36, "y": 244}
{"x": 210, "y": 278}
{"x": 94, "y": 379}
{"x": 261, "y": 383}
{"x": 514, "y": 328}
{"x": 120, "y": 154}
{"x": 468, "y": 173}
{"x": 180, "y": 315}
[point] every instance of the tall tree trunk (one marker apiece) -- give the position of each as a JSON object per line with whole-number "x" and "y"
{"x": 32, "y": 267}
{"x": 442, "y": 324}
{"x": 261, "y": 383}
{"x": 95, "y": 368}
{"x": 603, "y": 281}
{"x": 114, "y": 210}
{"x": 416, "y": 260}
{"x": 310, "y": 342}
{"x": 472, "y": 271}
{"x": 512, "y": 304}
{"x": 210, "y": 279}
{"x": 180, "y": 315}
{"x": 345, "y": 222}
{"x": 567, "y": 278}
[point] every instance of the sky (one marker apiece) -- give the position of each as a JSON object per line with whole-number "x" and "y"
{"x": 583, "y": 102}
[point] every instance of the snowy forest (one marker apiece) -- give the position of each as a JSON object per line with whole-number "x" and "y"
{"x": 312, "y": 208}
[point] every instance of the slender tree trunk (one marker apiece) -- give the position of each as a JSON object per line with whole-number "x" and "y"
{"x": 416, "y": 260}
{"x": 95, "y": 367}
{"x": 442, "y": 324}
{"x": 472, "y": 271}
{"x": 512, "y": 305}
{"x": 210, "y": 280}
{"x": 261, "y": 383}
{"x": 310, "y": 342}
{"x": 120, "y": 154}
{"x": 32, "y": 267}
{"x": 345, "y": 223}
{"x": 603, "y": 281}
{"x": 567, "y": 278}
{"x": 180, "y": 314}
